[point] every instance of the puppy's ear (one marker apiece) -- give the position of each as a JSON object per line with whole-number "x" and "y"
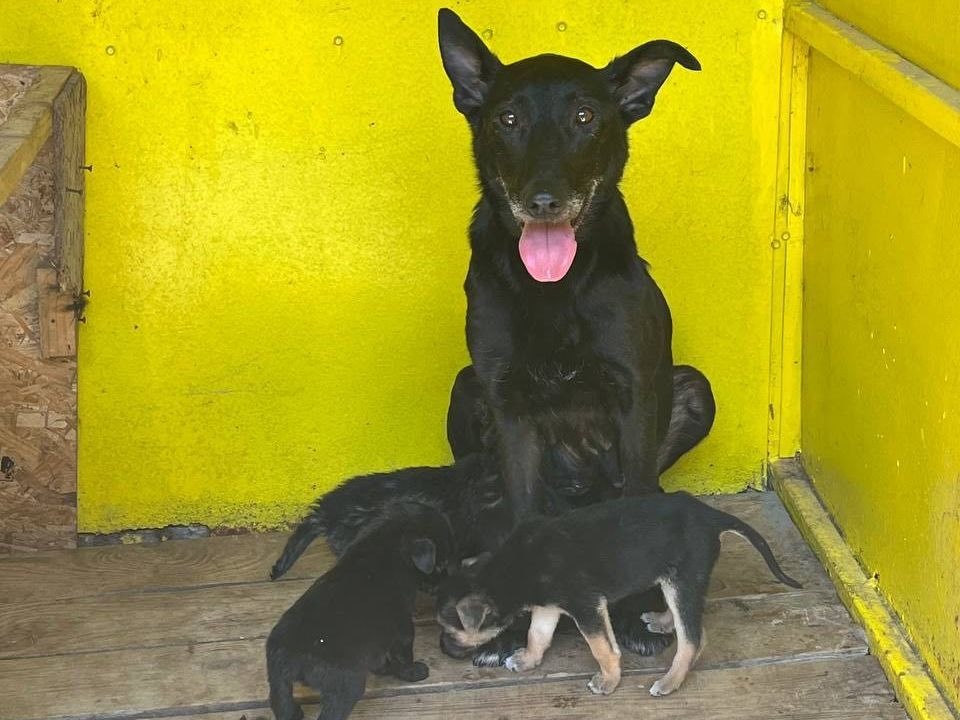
{"x": 424, "y": 555}
{"x": 472, "y": 611}
{"x": 636, "y": 77}
{"x": 467, "y": 62}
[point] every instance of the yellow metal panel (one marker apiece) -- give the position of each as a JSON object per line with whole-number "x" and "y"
{"x": 927, "y": 32}
{"x": 276, "y": 234}
{"x": 881, "y": 359}
{"x": 786, "y": 241}
{"x": 908, "y": 86}
{"x": 906, "y": 672}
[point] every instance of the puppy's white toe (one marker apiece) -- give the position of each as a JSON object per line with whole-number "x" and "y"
{"x": 660, "y": 688}
{"x": 599, "y": 685}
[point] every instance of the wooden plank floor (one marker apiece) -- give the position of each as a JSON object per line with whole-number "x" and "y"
{"x": 176, "y": 630}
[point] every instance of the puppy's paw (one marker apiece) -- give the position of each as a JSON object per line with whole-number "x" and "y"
{"x": 413, "y": 673}
{"x": 496, "y": 652}
{"x": 521, "y": 661}
{"x": 663, "y": 686}
{"x": 419, "y": 671}
{"x": 661, "y": 623}
{"x": 488, "y": 658}
{"x": 600, "y": 685}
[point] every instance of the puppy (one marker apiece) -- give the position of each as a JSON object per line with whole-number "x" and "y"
{"x": 469, "y": 493}
{"x": 357, "y": 618}
{"x": 580, "y": 563}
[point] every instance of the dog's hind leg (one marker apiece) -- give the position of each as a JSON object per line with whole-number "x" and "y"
{"x": 340, "y": 691}
{"x": 691, "y": 418}
{"x": 630, "y": 627}
{"x": 594, "y": 625}
{"x": 281, "y": 696}
{"x": 467, "y": 416}
{"x": 685, "y": 597}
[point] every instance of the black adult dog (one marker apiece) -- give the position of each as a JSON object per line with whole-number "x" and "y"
{"x": 569, "y": 335}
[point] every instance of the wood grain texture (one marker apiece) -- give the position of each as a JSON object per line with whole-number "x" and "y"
{"x": 69, "y": 137}
{"x": 173, "y": 659}
{"x": 248, "y": 558}
{"x": 131, "y": 568}
{"x": 847, "y": 689}
{"x": 177, "y": 630}
{"x": 58, "y": 321}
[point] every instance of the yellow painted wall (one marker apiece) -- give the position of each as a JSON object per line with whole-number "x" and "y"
{"x": 881, "y": 358}
{"x": 276, "y": 234}
{"x": 926, "y": 32}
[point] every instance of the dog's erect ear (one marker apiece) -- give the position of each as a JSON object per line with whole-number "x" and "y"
{"x": 467, "y": 61}
{"x": 424, "y": 555}
{"x": 636, "y": 77}
{"x": 472, "y": 611}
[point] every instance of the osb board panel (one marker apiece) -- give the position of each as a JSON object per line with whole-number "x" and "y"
{"x": 37, "y": 397}
{"x": 14, "y": 83}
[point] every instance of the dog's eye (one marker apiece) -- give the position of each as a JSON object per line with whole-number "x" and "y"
{"x": 508, "y": 119}
{"x": 584, "y": 116}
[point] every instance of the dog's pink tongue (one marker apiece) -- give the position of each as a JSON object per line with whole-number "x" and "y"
{"x": 547, "y": 250}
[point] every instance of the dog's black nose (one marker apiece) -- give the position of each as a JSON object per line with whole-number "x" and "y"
{"x": 543, "y": 205}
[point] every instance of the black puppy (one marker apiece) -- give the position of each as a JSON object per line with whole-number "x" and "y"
{"x": 469, "y": 494}
{"x": 579, "y": 563}
{"x": 358, "y": 617}
{"x": 570, "y": 336}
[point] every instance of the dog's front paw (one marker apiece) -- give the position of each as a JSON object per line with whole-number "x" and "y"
{"x": 521, "y": 661}
{"x": 663, "y": 686}
{"x": 419, "y": 671}
{"x": 413, "y": 673}
{"x": 630, "y": 628}
{"x": 603, "y": 685}
{"x": 661, "y": 623}
{"x": 496, "y": 652}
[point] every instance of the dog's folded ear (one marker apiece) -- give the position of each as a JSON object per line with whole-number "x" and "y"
{"x": 636, "y": 77}
{"x": 467, "y": 62}
{"x": 424, "y": 555}
{"x": 472, "y": 611}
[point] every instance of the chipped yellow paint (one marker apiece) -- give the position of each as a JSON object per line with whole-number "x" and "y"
{"x": 888, "y": 643}
{"x": 276, "y": 235}
{"x": 881, "y": 343}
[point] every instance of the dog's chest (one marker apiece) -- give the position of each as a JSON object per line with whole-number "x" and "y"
{"x": 555, "y": 363}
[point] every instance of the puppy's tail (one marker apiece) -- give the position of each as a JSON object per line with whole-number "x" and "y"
{"x": 309, "y": 529}
{"x": 738, "y": 526}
